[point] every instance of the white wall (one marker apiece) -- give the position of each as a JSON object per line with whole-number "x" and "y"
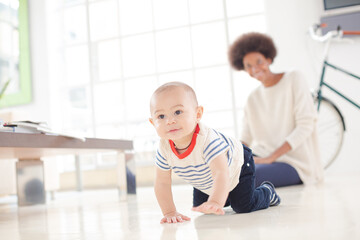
{"x": 287, "y": 22}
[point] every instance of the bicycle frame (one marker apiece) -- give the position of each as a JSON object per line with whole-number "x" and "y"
{"x": 330, "y": 118}
{"x": 323, "y": 83}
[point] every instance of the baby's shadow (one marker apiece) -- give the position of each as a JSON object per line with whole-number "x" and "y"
{"x": 212, "y": 220}
{"x": 230, "y": 220}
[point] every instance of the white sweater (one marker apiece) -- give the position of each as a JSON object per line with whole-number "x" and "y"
{"x": 285, "y": 112}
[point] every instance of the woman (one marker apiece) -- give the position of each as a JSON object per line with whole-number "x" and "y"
{"x": 279, "y": 116}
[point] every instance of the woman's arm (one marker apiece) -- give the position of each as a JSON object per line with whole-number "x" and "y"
{"x": 165, "y": 198}
{"x": 284, "y": 148}
{"x": 220, "y": 173}
{"x": 305, "y": 114}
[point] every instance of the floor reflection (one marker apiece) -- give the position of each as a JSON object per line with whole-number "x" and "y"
{"x": 324, "y": 211}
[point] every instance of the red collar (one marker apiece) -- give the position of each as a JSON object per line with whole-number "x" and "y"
{"x": 191, "y": 147}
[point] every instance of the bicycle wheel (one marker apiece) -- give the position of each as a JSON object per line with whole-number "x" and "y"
{"x": 331, "y": 128}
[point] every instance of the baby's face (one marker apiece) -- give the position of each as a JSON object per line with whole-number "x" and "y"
{"x": 174, "y": 115}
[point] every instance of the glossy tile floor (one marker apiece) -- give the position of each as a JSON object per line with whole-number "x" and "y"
{"x": 327, "y": 211}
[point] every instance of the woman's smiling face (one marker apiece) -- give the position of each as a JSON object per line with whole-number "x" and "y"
{"x": 257, "y": 66}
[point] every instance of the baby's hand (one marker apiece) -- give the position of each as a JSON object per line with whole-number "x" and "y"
{"x": 210, "y": 208}
{"x": 174, "y": 217}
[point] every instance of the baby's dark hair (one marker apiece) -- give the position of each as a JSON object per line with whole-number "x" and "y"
{"x": 250, "y": 42}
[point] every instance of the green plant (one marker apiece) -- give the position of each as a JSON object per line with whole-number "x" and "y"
{"x": 4, "y": 88}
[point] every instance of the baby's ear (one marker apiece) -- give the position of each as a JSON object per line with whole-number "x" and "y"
{"x": 199, "y": 113}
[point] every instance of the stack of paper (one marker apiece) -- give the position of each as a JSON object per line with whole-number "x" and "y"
{"x": 27, "y": 126}
{"x": 34, "y": 127}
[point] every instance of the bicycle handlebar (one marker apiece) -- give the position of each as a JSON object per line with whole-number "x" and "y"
{"x": 329, "y": 35}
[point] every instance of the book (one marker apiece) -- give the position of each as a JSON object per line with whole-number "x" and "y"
{"x": 35, "y": 127}
{"x": 28, "y": 124}
{"x": 6, "y": 129}
{"x": 19, "y": 129}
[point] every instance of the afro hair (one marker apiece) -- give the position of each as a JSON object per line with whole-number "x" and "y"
{"x": 250, "y": 42}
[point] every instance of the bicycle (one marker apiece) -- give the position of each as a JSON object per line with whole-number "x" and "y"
{"x": 331, "y": 124}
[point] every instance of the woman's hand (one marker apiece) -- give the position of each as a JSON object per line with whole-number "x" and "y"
{"x": 283, "y": 149}
{"x": 174, "y": 217}
{"x": 266, "y": 160}
{"x": 209, "y": 208}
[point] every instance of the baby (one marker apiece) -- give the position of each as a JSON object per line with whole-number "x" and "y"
{"x": 220, "y": 168}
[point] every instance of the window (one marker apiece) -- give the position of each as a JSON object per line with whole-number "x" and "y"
{"x": 116, "y": 52}
{"x": 15, "y": 74}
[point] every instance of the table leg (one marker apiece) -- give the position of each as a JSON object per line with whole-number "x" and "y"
{"x": 30, "y": 182}
{"x": 121, "y": 175}
{"x": 79, "y": 184}
{"x": 126, "y": 177}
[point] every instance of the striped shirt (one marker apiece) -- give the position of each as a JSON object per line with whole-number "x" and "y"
{"x": 194, "y": 165}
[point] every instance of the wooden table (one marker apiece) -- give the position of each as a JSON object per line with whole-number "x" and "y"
{"x": 30, "y": 148}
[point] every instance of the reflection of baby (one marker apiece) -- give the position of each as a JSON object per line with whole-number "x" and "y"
{"x": 220, "y": 168}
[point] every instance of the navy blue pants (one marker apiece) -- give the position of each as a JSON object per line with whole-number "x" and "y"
{"x": 278, "y": 173}
{"x": 244, "y": 197}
